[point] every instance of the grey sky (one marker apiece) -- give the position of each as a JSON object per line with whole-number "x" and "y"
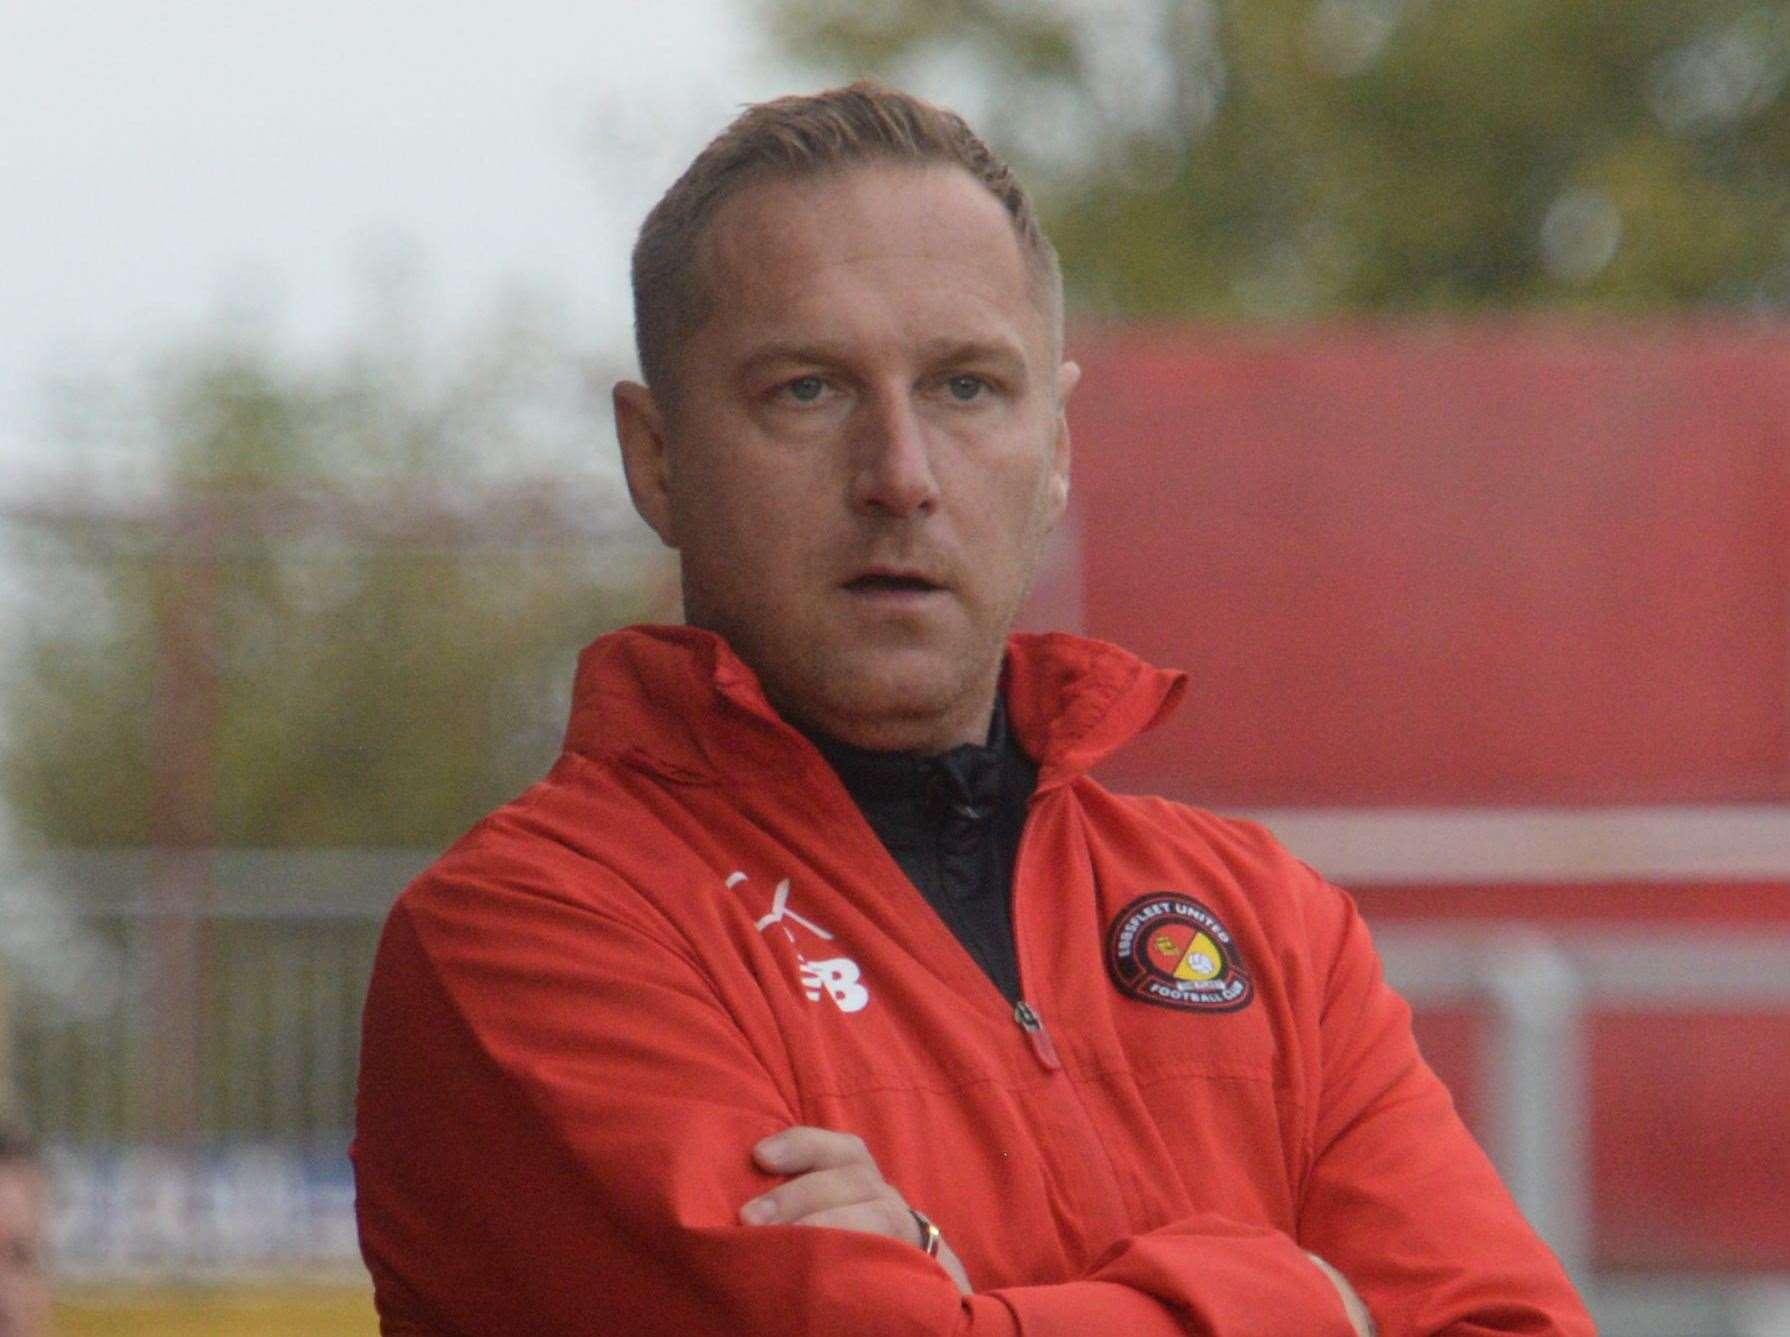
{"x": 160, "y": 158}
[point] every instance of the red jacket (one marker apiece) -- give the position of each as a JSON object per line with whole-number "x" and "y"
{"x": 686, "y": 938}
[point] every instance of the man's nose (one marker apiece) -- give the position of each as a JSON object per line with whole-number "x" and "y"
{"x": 892, "y": 459}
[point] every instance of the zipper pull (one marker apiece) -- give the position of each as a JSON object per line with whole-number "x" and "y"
{"x": 1033, "y": 1025}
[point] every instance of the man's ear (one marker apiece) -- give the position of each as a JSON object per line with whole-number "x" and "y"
{"x": 1067, "y": 377}
{"x": 640, "y": 427}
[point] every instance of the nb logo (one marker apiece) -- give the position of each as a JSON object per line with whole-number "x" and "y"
{"x": 835, "y": 977}
{"x": 839, "y": 978}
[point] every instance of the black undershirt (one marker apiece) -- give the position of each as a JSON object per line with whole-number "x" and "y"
{"x": 952, "y": 822}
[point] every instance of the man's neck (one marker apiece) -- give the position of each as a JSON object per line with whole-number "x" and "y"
{"x": 914, "y": 736}
{"x": 993, "y": 737}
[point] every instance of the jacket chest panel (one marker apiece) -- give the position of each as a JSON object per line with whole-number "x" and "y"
{"x": 1173, "y": 1005}
{"x": 861, "y": 1010}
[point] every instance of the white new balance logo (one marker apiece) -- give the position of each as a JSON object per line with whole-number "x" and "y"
{"x": 837, "y": 977}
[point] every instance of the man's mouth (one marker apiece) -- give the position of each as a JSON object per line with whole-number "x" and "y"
{"x": 891, "y": 582}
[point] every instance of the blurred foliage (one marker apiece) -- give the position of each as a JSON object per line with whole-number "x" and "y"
{"x": 1282, "y": 158}
{"x": 340, "y": 607}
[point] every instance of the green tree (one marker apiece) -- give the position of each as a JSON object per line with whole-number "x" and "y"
{"x": 340, "y": 605}
{"x": 1296, "y": 157}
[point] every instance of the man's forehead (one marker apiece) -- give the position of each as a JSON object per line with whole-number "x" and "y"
{"x": 779, "y": 245}
{"x": 861, "y": 212}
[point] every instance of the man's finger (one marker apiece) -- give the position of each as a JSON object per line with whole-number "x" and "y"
{"x": 817, "y": 1191}
{"x": 869, "y": 1218}
{"x": 803, "y": 1148}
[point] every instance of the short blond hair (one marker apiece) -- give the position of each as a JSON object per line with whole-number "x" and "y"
{"x": 864, "y": 122}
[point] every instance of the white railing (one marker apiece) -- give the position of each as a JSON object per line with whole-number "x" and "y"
{"x": 1539, "y": 991}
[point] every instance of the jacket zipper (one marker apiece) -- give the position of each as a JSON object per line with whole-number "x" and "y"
{"x": 1044, "y": 1049}
{"x": 1033, "y": 1025}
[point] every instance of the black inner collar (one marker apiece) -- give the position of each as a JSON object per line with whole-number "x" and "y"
{"x": 970, "y": 772}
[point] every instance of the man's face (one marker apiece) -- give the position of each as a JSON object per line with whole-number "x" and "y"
{"x": 867, "y": 449}
{"x": 24, "y": 1226}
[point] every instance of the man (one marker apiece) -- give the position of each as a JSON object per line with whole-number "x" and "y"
{"x": 818, "y": 989}
{"x": 24, "y": 1238}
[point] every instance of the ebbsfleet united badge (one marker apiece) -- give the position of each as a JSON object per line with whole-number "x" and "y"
{"x": 1168, "y": 949}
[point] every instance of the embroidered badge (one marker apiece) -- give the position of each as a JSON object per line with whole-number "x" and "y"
{"x": 1168, "y": 949}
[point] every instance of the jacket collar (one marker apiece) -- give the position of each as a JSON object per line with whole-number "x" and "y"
{"x": 678, "y": 701}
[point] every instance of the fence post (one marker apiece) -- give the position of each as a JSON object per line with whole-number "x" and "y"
{"x": 1538, "y": 1082}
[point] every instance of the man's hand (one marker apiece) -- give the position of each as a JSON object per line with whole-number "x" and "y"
{"x": 834, "y": 1182}
{"x": 1358, "y": 1315}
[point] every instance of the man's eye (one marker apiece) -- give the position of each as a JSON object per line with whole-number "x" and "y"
{"x": 805, "y": 389}
{"x": 965, "y": 388}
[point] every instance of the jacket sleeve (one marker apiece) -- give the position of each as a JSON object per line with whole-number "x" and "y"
{"x": 554, "y": 1123}
{"x": 1400, "y": 1198}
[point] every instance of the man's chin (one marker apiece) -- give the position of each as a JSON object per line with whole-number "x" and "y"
{"x": 907, "y": 699}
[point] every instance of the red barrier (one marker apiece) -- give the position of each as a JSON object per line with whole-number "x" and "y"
{"x": 1517, "y": 563}
{"x": 1510, "y": 563}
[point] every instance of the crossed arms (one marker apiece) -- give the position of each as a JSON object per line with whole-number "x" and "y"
{"x": 528, "y": 1163}
{"x": 834, "y": 1182}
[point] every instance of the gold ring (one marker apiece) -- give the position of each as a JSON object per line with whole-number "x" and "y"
{"x": 929, "y": 1234}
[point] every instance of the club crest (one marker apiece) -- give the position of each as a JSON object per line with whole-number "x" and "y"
{"x": 1168, "y": 949}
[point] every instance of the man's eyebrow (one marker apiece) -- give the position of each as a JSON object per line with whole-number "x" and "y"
{"x": 934, "y": 352}
{"x": 770, "y": 354}
{"x": 942, "y": 352}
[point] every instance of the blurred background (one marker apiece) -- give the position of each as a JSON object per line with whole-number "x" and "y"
{"x": 1436, "y": 418}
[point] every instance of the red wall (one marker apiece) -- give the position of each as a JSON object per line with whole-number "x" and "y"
{"x": 1514, "y": 563}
